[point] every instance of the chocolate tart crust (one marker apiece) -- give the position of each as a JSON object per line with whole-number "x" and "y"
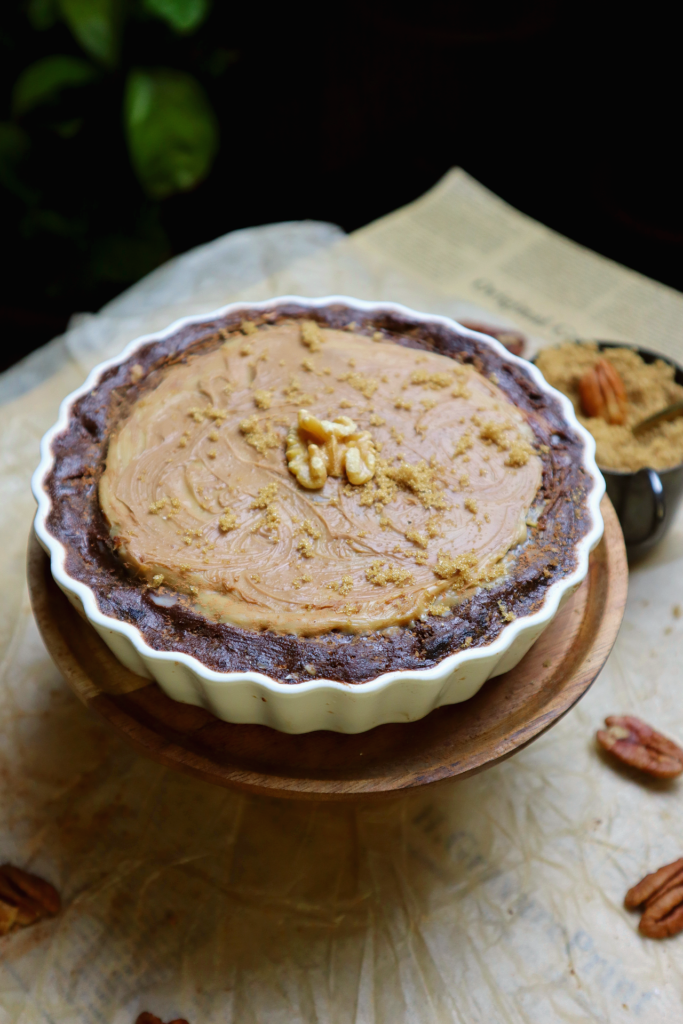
{"x": 77, "y": 521}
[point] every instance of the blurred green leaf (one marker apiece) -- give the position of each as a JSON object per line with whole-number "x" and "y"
{"x": 96, "y": 24}
{"x": 14, "y": 143}
{"x": 14, "y": 147}
{"x": 219, "y": 60}
{"x": 68, "y": 129}
{"x": 182, "y": 15}
{"x": 52, "y": 222}
{"x": 171, "y": 130}
{"x": 42, "y": 13}
{"x": 124, "y": 256}
{"x": 44, "y": 81}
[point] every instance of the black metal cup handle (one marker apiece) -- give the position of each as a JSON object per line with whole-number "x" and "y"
{"x": 659, "y": 519}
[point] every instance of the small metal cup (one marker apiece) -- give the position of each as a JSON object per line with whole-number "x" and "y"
{"x": 646, "y": 501}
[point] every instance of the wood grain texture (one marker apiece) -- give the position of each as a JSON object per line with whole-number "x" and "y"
{"x": 507, "y": 713}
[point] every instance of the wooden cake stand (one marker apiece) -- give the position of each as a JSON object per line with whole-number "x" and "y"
{"x": 507, "y": 713}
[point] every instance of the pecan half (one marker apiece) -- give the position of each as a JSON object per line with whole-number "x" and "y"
{"x": 151, "y": 1018}
{"x": 661, "y": 895}
{"x": 639, "y": 745}
{"x": 24, "y": 898}
{"x": 603, "y": 394}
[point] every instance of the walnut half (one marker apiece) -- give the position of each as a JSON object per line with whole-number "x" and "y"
{"x": 305, "y": 461}
{"x": 318, "y": 448}
{"x": 360, "y": 459}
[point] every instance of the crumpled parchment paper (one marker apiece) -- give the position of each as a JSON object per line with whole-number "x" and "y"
{"x": 493, "y": 899}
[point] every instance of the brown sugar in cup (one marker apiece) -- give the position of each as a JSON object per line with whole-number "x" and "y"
{"x": 643, "y": 473}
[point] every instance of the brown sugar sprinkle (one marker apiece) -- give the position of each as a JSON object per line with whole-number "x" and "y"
{"x": 505, "y": 615}
{"x": 256, "y": 577}
{"x": 402, "y": 403}
{"x": 344, "y": 403}
{"x": 214, "y": 435}
{"x": 311, "y": 529}
{"x": 366, "y": 385}
{"x": 380, "y": 576}
{"x": 269, "y": 521}
{"x": 421, "y": 480}
{"x": 385, "y": 523}
{"x": 376, "y": 421}
{"x": 248, "y": 327}
{"x": 433, "y": 527}
{"x": 293, "y": 392}
{"x": 461, "y": 570}
{"x": 463, "y": 445}
{"x": 397, "y": 435}
{"x": 157, "y": 580}
{"x": 228, "y": 521}
{"x": 649, "y": 387}
{"x": 307, "y": 364}
{"x": 493, "y": 433}
{"x": 258, "y": 436}
{"x": 344, "y": 587}
{"x": 172, "y": 504}
{"x": 265, "y": 496}
{"x": 420, "y": 557}
{"x": 431, "y": 380}
{"x": 137, "y": 372}
{"x": 428, "y": 402}
{"x": 305, "y": 548}
{"x": 212, "y": 453}
{"x": 464, "y": 480}
{"x": 438, "y": 609}
{"x": 246, "y": 349}
{"x": 519, "y": 454}
{"x": 377, "y": 336}
{"x": 416, "y": 538}
{"x": 471, "y": 505}
{"x": 263, "y": 398}
{"x": 311, "y": 335}
{"x": 216, "y": 414}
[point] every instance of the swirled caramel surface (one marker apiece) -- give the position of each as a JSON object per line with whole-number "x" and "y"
{"x": 202, "y": 505}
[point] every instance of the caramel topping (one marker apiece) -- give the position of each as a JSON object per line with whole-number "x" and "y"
{"x": 272, "y": 508}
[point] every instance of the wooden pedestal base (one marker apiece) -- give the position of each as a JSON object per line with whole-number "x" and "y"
{"x": 507, "y": 713}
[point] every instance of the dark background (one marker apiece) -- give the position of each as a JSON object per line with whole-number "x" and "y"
{"x": 569, "y": 112}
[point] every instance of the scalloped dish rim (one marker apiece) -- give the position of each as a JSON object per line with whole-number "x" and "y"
{"x": 84, "y": 597}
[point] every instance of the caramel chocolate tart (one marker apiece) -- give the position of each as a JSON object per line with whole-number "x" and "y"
{"x": 317, "y": 490}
